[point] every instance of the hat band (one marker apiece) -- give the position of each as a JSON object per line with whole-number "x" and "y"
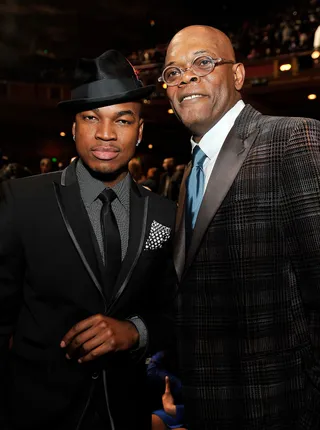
{"x": 105, "y": 88}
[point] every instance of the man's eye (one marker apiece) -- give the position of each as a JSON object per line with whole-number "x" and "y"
{"x": 89, "y": 117}
{"x": 205, "y": 62}
{"x": 173, "y": 73}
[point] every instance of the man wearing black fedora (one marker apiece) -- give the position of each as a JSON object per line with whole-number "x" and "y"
{"x": 86, "y": 274}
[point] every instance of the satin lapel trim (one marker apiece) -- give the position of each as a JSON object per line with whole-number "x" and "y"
{"x": 137, "y": 232}
{"x": 230, "y": 159}
{"x": 179, "y": 250}
{"x": 78, "y": 227}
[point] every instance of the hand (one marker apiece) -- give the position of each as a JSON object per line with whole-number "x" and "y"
{"x": 98, "y": 335}
{"x": 167, "y": 400}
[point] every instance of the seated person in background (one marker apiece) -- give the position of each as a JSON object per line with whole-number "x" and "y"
{"x": 172, "y": 415}
{"x": 165, "y": 392}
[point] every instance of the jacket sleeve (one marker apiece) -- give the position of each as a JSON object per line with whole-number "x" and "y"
{"x": 11, "y": 281}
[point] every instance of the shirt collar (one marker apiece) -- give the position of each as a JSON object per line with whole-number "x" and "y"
{"x": 212, "y": 141}
{"x": 90, "y": 187}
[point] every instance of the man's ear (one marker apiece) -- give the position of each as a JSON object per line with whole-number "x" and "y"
{"x": 140, "y": 133}
{"x": 239, "y": 75}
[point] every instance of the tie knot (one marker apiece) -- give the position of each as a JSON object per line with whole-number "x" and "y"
{"x": 107, "y": 195}
{"x": 198, "y": 156}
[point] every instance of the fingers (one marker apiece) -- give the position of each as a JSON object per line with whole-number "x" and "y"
{"x": 98, "y": 335}
{"x": 79, "y": 328}
{"x": 86, "y": 338}
{"x": 167, "y": 389}
{"x": 91, "y": 352}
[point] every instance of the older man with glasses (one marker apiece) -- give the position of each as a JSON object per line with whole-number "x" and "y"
{"x": 247, "y": 249}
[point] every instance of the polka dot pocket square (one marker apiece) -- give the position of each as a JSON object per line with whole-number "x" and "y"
{"x": 158, "y": 235}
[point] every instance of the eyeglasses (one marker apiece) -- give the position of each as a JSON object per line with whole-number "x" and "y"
{"x": 201, "y": 66}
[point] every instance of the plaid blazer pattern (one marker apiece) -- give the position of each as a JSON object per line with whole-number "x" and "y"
{"x": 248, "y": 319}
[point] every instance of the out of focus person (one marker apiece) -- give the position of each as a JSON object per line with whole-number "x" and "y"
{"x": 152, "y": 179}
{"x": 164, "y": 388}
{"x": 171, "y": 415}
{"x": 4, "y": 160}
{"x": 169, "y": 184}
{"x": 247, "y": 248}
{"x": 14, "y": 171}
{"x": 45, "y": 165}
{"x": 136, "y": 170}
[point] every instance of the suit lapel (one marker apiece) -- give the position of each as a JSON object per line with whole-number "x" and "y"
{"x": 77, "y": 222}
{"x": 137, "y": 231}
{"x": 179, "y": 252}
{"x": 230, "y": 159}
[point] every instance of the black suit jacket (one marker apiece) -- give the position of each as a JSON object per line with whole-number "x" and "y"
{"x": 50, "y": 279}
{"x": 249, "y": 300}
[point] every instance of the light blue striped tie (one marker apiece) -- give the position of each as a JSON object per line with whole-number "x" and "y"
{"x": 194, "y": 188}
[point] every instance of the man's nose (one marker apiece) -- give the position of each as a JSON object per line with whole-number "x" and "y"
{"x": 105, "y": 131}
{"x": 188, "y": 76}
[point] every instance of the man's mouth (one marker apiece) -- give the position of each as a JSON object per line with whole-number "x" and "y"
{"x": 105, "y": 152}
{"x": 191, "y": 97}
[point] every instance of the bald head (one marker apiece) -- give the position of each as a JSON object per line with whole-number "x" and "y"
{"x": 219, "y": 41}
{"x": 200, "y": 98}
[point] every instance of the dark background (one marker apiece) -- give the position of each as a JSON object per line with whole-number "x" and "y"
{"x": 40, "y": 35}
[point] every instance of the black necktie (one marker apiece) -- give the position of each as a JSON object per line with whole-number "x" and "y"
{"x": 111, "y": 239}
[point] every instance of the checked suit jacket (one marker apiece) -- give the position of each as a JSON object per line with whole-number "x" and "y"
{"x": 50, "y": 279}
{"x": 248, "y": 319}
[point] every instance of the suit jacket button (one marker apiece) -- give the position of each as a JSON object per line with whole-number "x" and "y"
{"x": 95, "y": 375}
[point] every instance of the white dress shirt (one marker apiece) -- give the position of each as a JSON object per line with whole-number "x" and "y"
{"x": 212, "y": 141}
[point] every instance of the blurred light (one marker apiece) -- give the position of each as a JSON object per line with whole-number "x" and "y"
{"x": 165, "y": 86}
{"x": 146, "y": 101}
{"x": 295, "y": 13}
{"x": 54, "y": 160}
{"x": 315, "y": 55}
{"x": 170, "y": 111}
{"x": 150, "y": 146}
{"x": 152, "y": 22}
{"x": 45, "y": 51}
{"x": 312, "y": 96}
{"x": 285, "y": 67}
{"x": 62, "y": 134}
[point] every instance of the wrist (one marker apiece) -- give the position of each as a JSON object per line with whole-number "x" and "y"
{"x": 134, "y": 334}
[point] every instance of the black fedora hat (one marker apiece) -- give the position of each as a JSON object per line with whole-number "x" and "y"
{"x": 106, "y": 80}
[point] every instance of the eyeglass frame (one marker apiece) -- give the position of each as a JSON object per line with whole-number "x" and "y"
{"x": 215, "y": 62}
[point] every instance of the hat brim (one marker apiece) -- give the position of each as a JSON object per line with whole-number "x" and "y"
{"x": 80, "y": 105}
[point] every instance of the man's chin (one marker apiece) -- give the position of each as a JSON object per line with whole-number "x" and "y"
{"x": 105, "y": 173}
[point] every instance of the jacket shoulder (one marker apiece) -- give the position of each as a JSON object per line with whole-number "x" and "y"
{"x": 31, "y": 185}
{"x": 161, "y": 200}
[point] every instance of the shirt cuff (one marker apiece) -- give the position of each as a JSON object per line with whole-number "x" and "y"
{"x": 142, "y": 330}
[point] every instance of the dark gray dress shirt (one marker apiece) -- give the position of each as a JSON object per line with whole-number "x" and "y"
{"x": 90, "y": 188}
